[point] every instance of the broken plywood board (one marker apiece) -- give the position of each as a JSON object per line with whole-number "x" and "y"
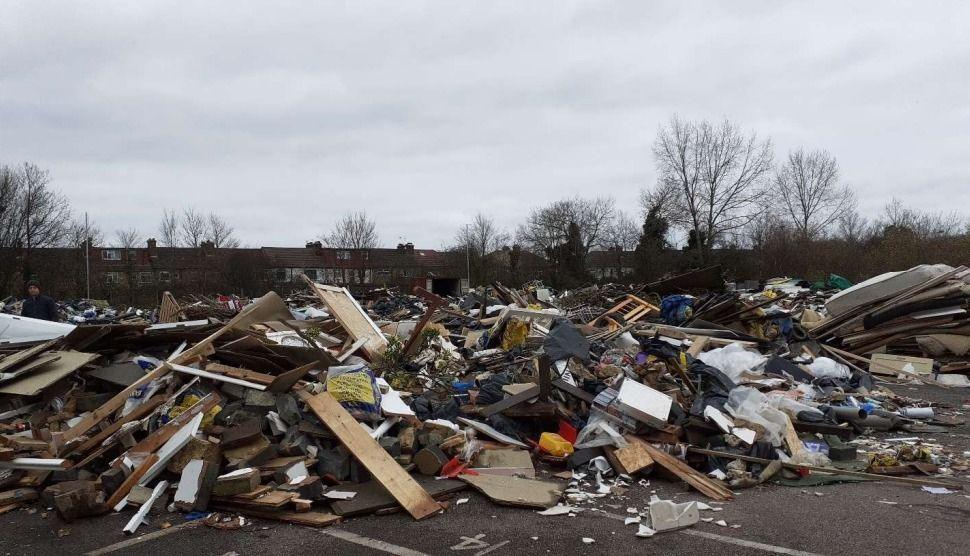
{"x": 886, "y": 364}
{"x": 371, "y": 455}
{"x": 516, "y": 491}
{"x": 505, "y": 462}
{"x": 15, "y": 359}
{"x": 29, "y": 367}
{"x": 42, "y": 377}
{"x": 308, "y": 519}
{"x": 342, "y": 305}
{"x": 631, "y": 459}
{"x": 371, "y": 496}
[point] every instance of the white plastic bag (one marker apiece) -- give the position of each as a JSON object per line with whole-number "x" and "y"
{"x": 752, "y": 406}
{"x": 823, "y": 367}
{"x": 733, "y": 360}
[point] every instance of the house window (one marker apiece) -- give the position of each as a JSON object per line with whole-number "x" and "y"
{"x": 112, "y": 278}
{"x": 384, "y": 273}
{"x": 111, "y": 254}
{"x": 145, "y": 278}
{"x": 164, "y": 276}
{"x": 343, "y": 254}
{"x": 328, "y": 276}
{"x": 352, "y": 276}
{"x": 280, "y": 274}
{"x": 365, "y": 255}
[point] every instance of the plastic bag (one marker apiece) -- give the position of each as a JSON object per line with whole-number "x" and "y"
{"x": 792, "y": 407}
{"x": 823, "y": 367}
{"x": 733, "y": 360}
{"x": 355, "y": 387}
{"x": 752, "y": 406}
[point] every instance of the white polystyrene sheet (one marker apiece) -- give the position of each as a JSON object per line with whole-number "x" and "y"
{"x": 15, "y": 328}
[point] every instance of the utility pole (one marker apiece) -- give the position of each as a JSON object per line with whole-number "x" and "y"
{"x": 468, "y": 265}
{"x": 87, "y": 255}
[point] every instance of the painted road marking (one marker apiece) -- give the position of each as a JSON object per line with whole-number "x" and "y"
{"x": 371, "y": 543}
{"x": 724, "y": 539}
{"x": 749, "y": 544}
{"x": 144, "y": 538}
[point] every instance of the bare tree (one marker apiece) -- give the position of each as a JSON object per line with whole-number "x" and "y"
{"x": 32, "y": 215}
{"x": 621, "y": 233}
{"x": 717, "y": 173}
{"x": 168, "y": 229}
{"x": 549, "y": 227}
{"x": 481, "y": 236}
{"x": 128, "y": 238}
{"x": 924, "y": 225}
{"x": 852, "y": 226}
{"x": 809, "y": 187}
{"x": 193, "y": 227}
{"x": 353, "y": 231}
{"x": 78, "y": 233}
{"x": 221, "y": 232}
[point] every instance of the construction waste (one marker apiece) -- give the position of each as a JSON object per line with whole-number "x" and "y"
{"x": 324, "y": 406}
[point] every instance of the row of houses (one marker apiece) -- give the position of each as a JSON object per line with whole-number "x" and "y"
{"x": 138, "y": 275}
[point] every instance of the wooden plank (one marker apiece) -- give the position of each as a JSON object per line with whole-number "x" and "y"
{"x": 139, "y": 412}
{"x": 689, "y": 475}
{"x": 795, "y": 446}
{"x": 573, "y": 391}
{"x": 264, "y": 308}
{"x": 351, "y": 316}
{"x": 161, "y": 435}
{"x": 509, "y": 401}
{"x": 131, "y": 480}
{"x": 217, "y": 377}
{"x": 243, "y": 374}
{"x": 375, "y": 459}
{"x": 698, "y": 345}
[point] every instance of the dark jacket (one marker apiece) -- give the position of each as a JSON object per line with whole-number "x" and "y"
{"x": 40, "y": 307}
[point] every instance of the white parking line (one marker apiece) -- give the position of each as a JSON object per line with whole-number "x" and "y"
{"x": 749, "y": 544}
{"x": 728, "y": 540}
{"x": 371, "y": 543}
{"x": 144, "y": 538}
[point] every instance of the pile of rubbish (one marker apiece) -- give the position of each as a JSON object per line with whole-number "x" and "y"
{"x": 324, "y": 406}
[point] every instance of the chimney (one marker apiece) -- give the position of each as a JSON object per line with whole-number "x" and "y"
{"x": 207, "y": 245}
{"x": 409, "y": 247}
{"x": 314, "y": 245}
{"x": 400, "y": 247}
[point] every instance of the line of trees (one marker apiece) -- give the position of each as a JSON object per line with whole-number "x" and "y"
{"x": 722, "y": 197}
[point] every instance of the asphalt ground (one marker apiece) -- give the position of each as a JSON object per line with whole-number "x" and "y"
{"x": 861, "y": 518}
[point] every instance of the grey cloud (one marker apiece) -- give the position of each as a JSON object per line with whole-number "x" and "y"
{"x": 283, "y": 116}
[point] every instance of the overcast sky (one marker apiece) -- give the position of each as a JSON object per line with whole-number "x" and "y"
{"x": 281, "y": 116}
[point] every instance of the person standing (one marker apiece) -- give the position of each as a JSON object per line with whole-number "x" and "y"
{"x": 38, "y": 306}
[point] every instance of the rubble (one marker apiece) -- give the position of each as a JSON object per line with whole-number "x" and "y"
{"x": 326, "y": 405}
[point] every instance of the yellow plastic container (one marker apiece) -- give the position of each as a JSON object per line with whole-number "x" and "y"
{"x": 554, "y": 444}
